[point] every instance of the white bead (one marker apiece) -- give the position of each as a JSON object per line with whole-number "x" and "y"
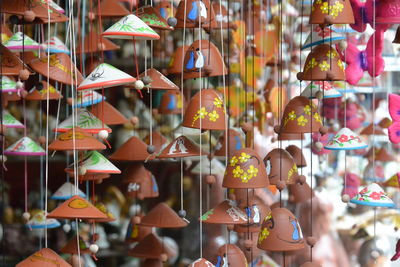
{"x": 336, "y": 127}
{"x": 346, "y": 198}
{"x": 139, "y": 85}
{"x": 375, "y": 254}
{"x": 67, "y": 227}
{"x": 94, "y": 248}
{"x": 19, "y": 85}
{"x": 82, "y": 170}
{"x": 26, "y": 216}
{"x": 103, "y": 134}
{"x": 342, "y": 45}
{"x": 4, "y": 158}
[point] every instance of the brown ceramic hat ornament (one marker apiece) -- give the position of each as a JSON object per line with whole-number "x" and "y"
{"x": 300, "y": 116}
{"x": 198, "y": 13}
{"x": 372, "y": 129}
{"x": 136, "y": 232}
{"x": 280, "y": 231}
{"x": 76, "y": 208}
{"x": 43, "y": 258}
{"x": 61, "y": 69}
{"x": 152, "y": 263}
{"x": 280, "y": 166}
{"x": 10, "y": 64}
{"x": 171, "y": 103}
{"x": 297, "y": 155}
{"x": 140, "y": 182}
{"x": 245, "y": 170}
{"x": 201, "y": 263}
{"x": 323, "y": 63}
{"x": 76, "y": 139}
{"x": 157, "y": 140}
{"x": 41, "y": 91}
{"x": 157, "y": 80}
{"x": 299, "y": 193}
{"x": 95, "y": 43}
{"x": 152, "y": 17}
{"x": 162, "y": 216}
{"x": 181, "y": 147}
{"x": 111, "y": 9}
{"x": 203, "y": 59}
{"x": 103, "y": 208}
{"x": 221, "y": 15}
{"x": 72, "y": 247}
{"x": 311, "y": 264}
{"x": 225, "y": 212}
{"x": 133, "y": 149}
{"x": 175, "y": 64}
{"x": 331, "y": 12}
{"x": 381, "y": 154}
{"x": 385, "y": 123}
{"x": 151, "y": 247}
{"x": 290, "y": 136}
{"x": 209, "y": 116}
{"x": 108, "y": 114}
{"x": 235, "y": 140}
{"x": 230, "y": 255}
{"x": 92, "y": 176}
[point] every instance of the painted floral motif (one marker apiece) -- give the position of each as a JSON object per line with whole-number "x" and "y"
{"x": 340, "y": 64}
{"x": 311, "y": 64}
{"x": 307, "y": 110}
{"x": 213, "y": 116}
{"x": 333, "y": 10}
{"x": 129, "y": 24}
{"x": 55, "y": 62}
{"x": 317, "y": 117}
{"x": 368, "y": 195}
{"x": 210, "y": 113}
{"x": 332, "y": 54}
{"x": 218, "y": 102}
{"x": 263, "y": 235}
{"x": 302, "y": 121}
{"x": 152, "y": 19}
{"x": 292, "y": 171}
{"x": 206, "y": 215}
{"x": 238, "y": 172}
{"x": 341, "y": 139}
{"x": 324, "y": 66}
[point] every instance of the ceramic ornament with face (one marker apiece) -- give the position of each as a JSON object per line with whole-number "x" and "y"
{"x": 280, "y": 165}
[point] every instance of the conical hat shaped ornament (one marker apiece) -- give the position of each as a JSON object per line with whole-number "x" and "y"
{"x": 84, "y": 120}
{"x": 230, "y": 255}
{"x": 94, "y": 43}
{"x": 297, "y": 155}
{"x": 381, "y": 154}
{"x": 66, "y": 191}
{"x": 12, "y": 96}
{"x": 245, "y": 170}
{"x": 280, "y": 166}
{"x": 55, "y": 45}
{"x": 158, "y": 141}
{"x": 345, "y": 139}
{"x": 88, "y": 98}
{"x": 225, "y": 213}
{"x": 280, "y": 231}
{"x": 372, "y": 129}
{"x": 140, "y": 182}
{"x": 61, "y": 68}
{"x": 93, "y": 176}
{"x": 10, "y": 64}
{"x": 72, "y": 246}
{"x": 201, "y": 263}
{"x": 158, "y": 80}
{"x": 331, "y": 12}
{"x": 300, "y": 116}
{"x": 320, "y": 87}
{"x": 133, "y": 149}
{"x": 299, "y": 193}
{"x": 111, "y": 9}
{"x": 136, "y": 232}
{"x": 76, "y": 139}
{"x": 175, "y": 64}
{"x": 76, "y": 208}
{"x": 21, "y": 42}
{"x": 104, "y": 76}
{"x": 151, "y": 247}
{"x": 235, "y": 140}
{"x": 43, "y": 258}
{"x": 311, "y": 264}
{"x": 203, "y": 59}
{"x": 171, "y": 103}
{"x": 103, "y": 208}
{"x": 393, "y": 181}
{"x": 181, "y": 147}
{"x": 130, "y": 27}
{"x": 320, "y": 35}
{"x": 8, "y": 84}
{"x": 108, "y": 114}
{"x": 94, "y": 162}
{"x": 151, "y": 17}
{"x": 210, "y": 115}
{"x": 10, "y": 121}
{"x": 221, "y": 15}
{"x": 39, "y": 221}
{"x": 374, "y": 196}
{"x": 40, "y": 92}
{"x": 162, "y": 216}
{"x": 25, "y": 147}
{"x": 323, "y": 63}
{"x": 198, "y": 13}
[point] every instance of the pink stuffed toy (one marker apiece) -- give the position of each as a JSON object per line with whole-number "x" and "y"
{"x": 353, "y": 181}
{"x": 354, "y": 115}
{"x": 364, "y": 14}
{"x": 394, "y": 111}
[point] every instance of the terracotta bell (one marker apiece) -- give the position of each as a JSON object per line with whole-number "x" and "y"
{"x": 140, "y": 182}
{"x": 179, "y": 148}
{"x": 299, "y": 193}
{"x": 151, "y": 247}
{"x": 297, "y": 155}
{"x": 331, "y": 12}
{"x": 230, "y": 255}
{"x": 225, "y": 212}
{"x": 111, "y": 9}
{"x": 280, "y": 166}
{"x": 198, "y": 13}
{"x": 136, "y": 232}
{"x": 235, "y": 140}
{"x": 171, "y": 103}
{"x": 162, "y": 216}
{"x": 175, "y": 65}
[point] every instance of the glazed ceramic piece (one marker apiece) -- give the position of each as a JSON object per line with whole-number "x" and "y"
{"x": 245, "y": 170}
{"x": 372, "y": 129}
{"x": 111, "y": 9}
{"x": 203, "y": 59}
{"x": 66, "y": 191}
{"x": 162, "y": 216}
{"x": 88, "y": 98}
{"x": 158, "y": 80}
{"x": 323, "y": 63}
{"x": 72, "y": 246}
{"x": 130, "y": 27}
{"x": 25, "y": 147}
{"x": 140, "y": 182}
{"x": 85, "y": 121}
{"x": 8, "y": 84}
{"x": 345, "y": 139}
{"x": 39, "y": 221}
{"x": 151, "y": 247}
{"x": 320, "y": 35}
{"x": 76, "y": 139}
{"x": 299, "y": 193}
{"x": 323, "y": 87}
{"x": 374, "y": 196}
{"x": 151, "y": 17}
{"x": 133, "y": 149}
{"x": 43, "y": 258}
{"x": 201, "y": 263}
{"x": 21, "y": 42}
{"x": 171, "y": 103}
{"x": 136, "y": 232}
{"x": 47, "y": 90}
{"x": 297, "y": 155}
{"x": 55, "y": 45}
{"x": 210, "y": 115}
{"x": 280, "y": 166}
{"x": 11, "y": 65}
{"x": 280, "y": 231}
{"x": 76, "y": 208}
{"x": 393, "y": 181}
{"x": 9, "y": 121}
{"x": 198, "y": 13}
{"x": 331, "y": 12}
{"x": 225, "y": 212}
{"x": 109, "y": 114}
{"x": 230, "y": 255}
{"x": 94, "y": 162}
{"x": 61, "y": 68}
{"x": 181, "y": 147}
{"x": 300, "y": 116}
{"x": 235, "y": 140}
{"x": 175, "y": 65}
{"x": 95, "y": 43}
